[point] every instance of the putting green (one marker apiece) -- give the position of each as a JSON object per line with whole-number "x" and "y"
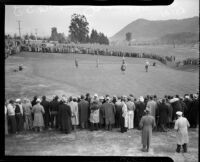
{"x": 48, "y": 74}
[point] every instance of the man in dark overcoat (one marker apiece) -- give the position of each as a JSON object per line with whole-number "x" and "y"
{"x": 46, "y": 115}
{"x": 65, "y": 116}
{"x": 83, "y": 108}
{"x": 109, "y": 110}
{"x": 140, "y": 107}
{"x": 147, "y": 123}
{"x": 118, "y": 108}
{"x": 194, "y": 112}
{"x": 54, "y": 112}
{"x": 163, "y": 115}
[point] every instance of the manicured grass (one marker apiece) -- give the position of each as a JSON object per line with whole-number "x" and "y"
{"x": 48, "y": 74}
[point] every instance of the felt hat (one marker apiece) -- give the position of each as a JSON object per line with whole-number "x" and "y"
{"x": 18, "y": 100}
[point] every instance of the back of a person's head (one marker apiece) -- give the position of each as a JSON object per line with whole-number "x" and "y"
{"x": 43, "y": 97}
{"x": 177, "y": 96}
{"x": 163, "y": 100}
{"x": 70, "y": 98}
{"x": 151, "y": 98}
{"x": 82, "y": 97}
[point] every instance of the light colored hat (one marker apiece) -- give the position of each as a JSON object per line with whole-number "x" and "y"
{"x": 179, "y": 113}
{"x": 95, "y": 95}
{"x": 18, "y": 100}
{"x": 101, "y": 98}
{"x": 107, "y": 98}
{"x": 38, "y": 100}
{"x": 173, "y": 100}
{"x": 187, "y": 97}
{"x": 141, "y": 99}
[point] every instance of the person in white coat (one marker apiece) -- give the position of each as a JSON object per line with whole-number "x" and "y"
{"x": 181, "y": 125}
{"x": 124, "y": 117}
{"x": 74, "y": 110}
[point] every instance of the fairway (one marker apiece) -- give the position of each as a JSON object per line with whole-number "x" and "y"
{"x": 49, "y": 74}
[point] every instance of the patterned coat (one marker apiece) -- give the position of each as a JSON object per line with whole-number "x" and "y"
{"x": 94, "y": 111}
{"x": 74, "y": 109}
{"x": 38, "y": 112}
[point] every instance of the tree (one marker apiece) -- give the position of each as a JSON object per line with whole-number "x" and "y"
{"x": 78, "y": 29}
{"x": 94, "y": 36}
{"x": 54, "y": 34}
{"x": 61, "y": 37}
{"x": 32, "y": 37}
{"x": 128, "y": 37}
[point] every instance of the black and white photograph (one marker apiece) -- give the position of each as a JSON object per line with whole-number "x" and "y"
{"x": 86, "y": 80}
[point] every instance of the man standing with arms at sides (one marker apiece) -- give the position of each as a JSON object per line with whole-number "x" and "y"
{"x": 83, "y": 107}
{"x": 27, "y": 108}
{"x": 140, "y": 107}
{"x": 19, "y": 115}
{"x": 54, "y": 112}
{"x": 147, "y": 65}
{"x": 46, "y": 115}
{"x": 181, "y": 125}
{"x": 131, "y": 109}
{"x": 152, "y": 105}
{"x": 147, "y": 123}
{"x": 109, "y": 110}
{"x": 76, "y": 62}
{"x": 118, "y": 109}
{"x": 65, "y": 116}
{"x": 11, "y": 117}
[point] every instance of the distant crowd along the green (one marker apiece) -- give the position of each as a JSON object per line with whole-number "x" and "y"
{"x": 16, "y": 46}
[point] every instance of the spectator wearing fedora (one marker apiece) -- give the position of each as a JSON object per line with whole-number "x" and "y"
{"x": 147, "y": 123}
{"x": 19, "y": 115}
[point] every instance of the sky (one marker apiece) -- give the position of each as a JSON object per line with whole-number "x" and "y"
{"x": 106, "y": 19}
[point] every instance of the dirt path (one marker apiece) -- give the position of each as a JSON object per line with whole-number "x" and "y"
{"x": 100, "y": 143}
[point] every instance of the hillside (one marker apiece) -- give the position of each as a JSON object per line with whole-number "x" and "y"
{"x": 147, "y": 30}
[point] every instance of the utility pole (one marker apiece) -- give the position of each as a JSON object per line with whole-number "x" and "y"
{"x": 19, "y": 28}
{"x": 36, "y": 33}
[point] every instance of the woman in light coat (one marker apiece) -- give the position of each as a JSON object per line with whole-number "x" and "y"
{"x": 38, "y": 112}
{"x": 74, "y": 112}
{"x": 124, "y": 119}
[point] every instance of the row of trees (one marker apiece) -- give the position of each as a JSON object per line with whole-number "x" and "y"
{"x": 79, "y": 31}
